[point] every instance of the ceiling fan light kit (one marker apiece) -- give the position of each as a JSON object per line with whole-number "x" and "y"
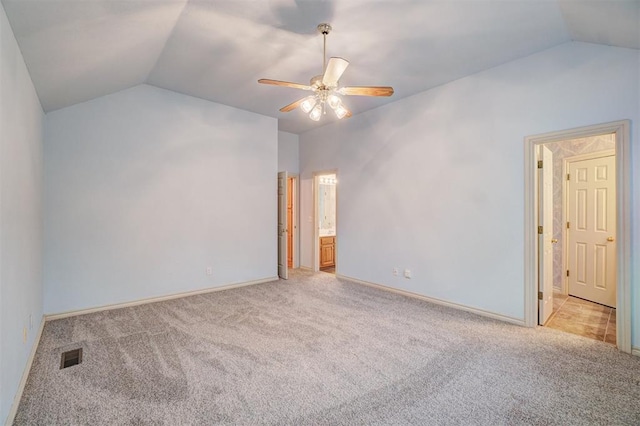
{"x": 326, "y": 87}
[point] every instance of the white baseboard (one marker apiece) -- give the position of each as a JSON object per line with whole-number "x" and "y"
{"x": 476, "y": 311}
{"x": 635, "y": 350}
{"x": 50, "y": 317}
{"x": 25, "y": 375}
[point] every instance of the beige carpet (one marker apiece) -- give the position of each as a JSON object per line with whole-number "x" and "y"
{"x": 318, "y": 350}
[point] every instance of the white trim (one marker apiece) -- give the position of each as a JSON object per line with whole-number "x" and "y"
{"x": 590, "y": 155}
{"x": 296, "y": 219}
{"x": 50, "y": 317}
{"x": 25, "y": 375}
{"x": 481, "y": 312}
{"x": 623, "y": 207}
{"x": 635, "y": 351}
{"x": 565, "y": 206}
{"x": 315, "y": 241}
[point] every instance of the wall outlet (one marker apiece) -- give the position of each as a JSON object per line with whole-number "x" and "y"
{"x": 396, "y": 272}
{"x": 24, "y": 335}
{"x": 407, "y": 273}
{"x": 209, "y": 270}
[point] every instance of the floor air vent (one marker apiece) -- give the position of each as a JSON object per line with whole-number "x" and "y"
{"x": 71, "y": 358}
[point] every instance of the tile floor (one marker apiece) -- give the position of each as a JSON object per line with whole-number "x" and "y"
{"x": 582, "y": 317}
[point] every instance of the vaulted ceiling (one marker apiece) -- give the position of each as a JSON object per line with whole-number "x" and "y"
{"x": 218, "y": 49}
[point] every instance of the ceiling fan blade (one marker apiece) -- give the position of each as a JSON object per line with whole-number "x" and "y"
{"x": 367, "y": 91}
{"x": 335, "y": 68}
{"x": 284, "y": 83}
{"x": 292, "y": 105}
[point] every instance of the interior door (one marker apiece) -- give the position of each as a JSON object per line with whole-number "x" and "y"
{"x": 545, "y": 246}
{"x": 290, "y": 223}
{"x": 591, "y": 199}
{"x": 283, "y": 271}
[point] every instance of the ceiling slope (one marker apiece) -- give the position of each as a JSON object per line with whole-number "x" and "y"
{"x": 80, "y": 50}
{"x": 610, "y": 22}
{"x": 218, "y": 49}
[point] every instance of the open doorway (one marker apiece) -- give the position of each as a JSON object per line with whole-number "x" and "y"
{"x": 326, "y": 215}
{"x": 287, "y": 223}
{"x": 292, "y": 227}
{"x": 578, "y": 254}
{"x": 596, "y": 266}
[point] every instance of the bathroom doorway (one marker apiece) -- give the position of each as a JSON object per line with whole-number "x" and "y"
{"x": 326, "y": 214}
{"x": 613, "y": 323}
{"x": 580, "y": 236}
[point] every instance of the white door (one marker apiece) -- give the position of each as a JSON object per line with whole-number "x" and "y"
{"x": 591, "y": 229}
{"x": 283, "y": 272}
{"x": 545, "y": 246}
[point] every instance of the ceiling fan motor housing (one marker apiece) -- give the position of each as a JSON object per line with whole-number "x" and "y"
{"x": 324, "y": 28}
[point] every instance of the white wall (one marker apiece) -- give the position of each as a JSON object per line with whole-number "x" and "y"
{"x": 146, "y": 188}
{"x": 21, "y": 121}
{"x": 434, "y": 182}
{"x": 288, "y": 153}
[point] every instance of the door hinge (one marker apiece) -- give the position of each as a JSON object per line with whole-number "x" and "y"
{"x": 540, "y": 295}
{"x": 539, "y": 229}
{"x": 568, "y": 176}
{"x": 567, "y": 272}
{"x": 567, "y": 225}
{"x": 539, "y": 164}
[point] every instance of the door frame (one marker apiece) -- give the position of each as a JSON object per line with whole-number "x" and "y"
{"x": 283, "y": 272}
{"x": 296, "y": 219}
{"x": 565, "y": 206}
{"x": 621, "y": 130}
{"x": 316, "y": 231}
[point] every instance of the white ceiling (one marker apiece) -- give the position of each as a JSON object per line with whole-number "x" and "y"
{"x": 218, "y": 49}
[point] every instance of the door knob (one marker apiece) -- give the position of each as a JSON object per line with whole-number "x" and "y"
{"x": 610, "y": 239}
{"x": 555, "y": 240}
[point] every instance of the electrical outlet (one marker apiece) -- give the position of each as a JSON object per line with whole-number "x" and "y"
{"x": 396, "y": 272}
{"x": 24, "y": 335}
{"x": 407, "y": 273}
{"x": 209, "y": 270}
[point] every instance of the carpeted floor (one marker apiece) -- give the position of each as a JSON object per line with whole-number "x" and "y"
{"x": 318, "y": 350}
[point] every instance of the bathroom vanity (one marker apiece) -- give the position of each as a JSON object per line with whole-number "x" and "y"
{"x": 327, "y": 251}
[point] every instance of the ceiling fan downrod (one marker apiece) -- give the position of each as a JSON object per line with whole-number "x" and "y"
{"x": 324, "y": 29}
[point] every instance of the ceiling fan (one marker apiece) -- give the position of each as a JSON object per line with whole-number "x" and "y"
{"x": 326, "y": 88}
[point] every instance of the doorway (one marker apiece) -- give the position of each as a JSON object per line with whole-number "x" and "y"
{"x": 577, "y": 213}
{"x": 287, "y": 226}
{"x": 325, "y": 221}
{"x": 291, "y": 222}
{"x": 536, "y": 244}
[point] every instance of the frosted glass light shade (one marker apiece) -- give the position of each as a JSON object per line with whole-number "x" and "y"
{"x": 340, "y": 111}
{"x": 316, "y": 113}
{"x": 334, "y": 101}
{"x": 308, "y": 104}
